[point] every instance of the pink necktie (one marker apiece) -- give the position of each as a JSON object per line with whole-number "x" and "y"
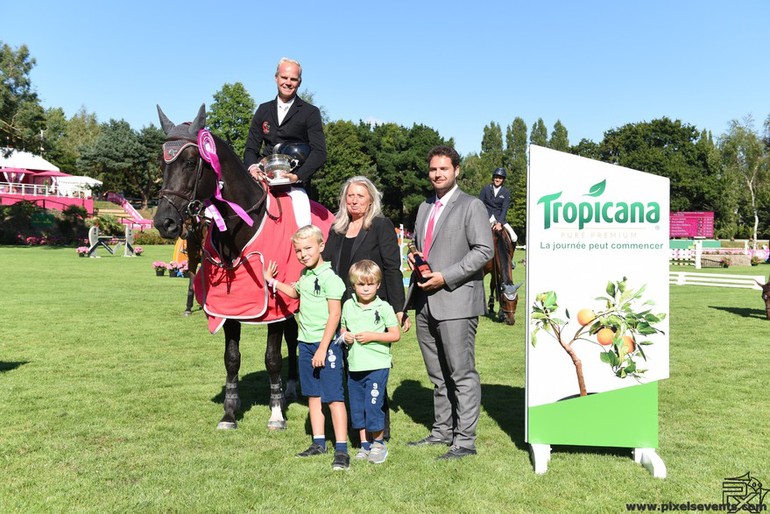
{"x": 429, "y": 230}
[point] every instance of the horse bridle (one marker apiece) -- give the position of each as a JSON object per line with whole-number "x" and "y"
{"x": 195, "y": 207}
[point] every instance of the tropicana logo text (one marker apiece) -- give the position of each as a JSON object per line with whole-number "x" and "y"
{"x": 596, "y": 211}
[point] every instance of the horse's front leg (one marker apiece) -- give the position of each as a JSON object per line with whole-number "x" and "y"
{"x": 273, "y": 363}
{"x": 232, "y": 366}
{"x": 190, "y": 295}
{"x": 492, "y": 287}
{"x": 501, "y": 302}
{"x": 290, "y": 333}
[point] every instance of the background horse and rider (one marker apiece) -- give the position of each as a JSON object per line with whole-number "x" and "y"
{"x": 201, "y": 171}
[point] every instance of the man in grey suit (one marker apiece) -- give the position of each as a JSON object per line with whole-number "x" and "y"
{"x": 452, "y": 234}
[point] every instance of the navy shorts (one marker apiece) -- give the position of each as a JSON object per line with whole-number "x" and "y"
{"x": 325, "y": 382}
{"x": 366, "y": 390}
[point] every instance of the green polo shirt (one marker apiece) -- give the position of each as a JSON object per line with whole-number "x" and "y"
{"x": 315, "y": 287}
{"x": 376, "y": 316}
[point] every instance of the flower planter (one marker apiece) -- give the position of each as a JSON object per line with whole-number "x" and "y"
{"x": 172, "y": 273}
{"x": 160, "y": 272}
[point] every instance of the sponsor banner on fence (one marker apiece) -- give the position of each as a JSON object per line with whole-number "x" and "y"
{"x": 597, "y": 301}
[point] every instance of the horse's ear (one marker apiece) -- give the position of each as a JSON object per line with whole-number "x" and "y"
{"x": 165, "y": 123}
{"x": 199, "y": 122}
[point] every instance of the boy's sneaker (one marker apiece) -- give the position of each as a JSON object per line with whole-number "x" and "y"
{"x": 362, "y": 454}
{"x": 314, "y": 449}
{"x": 341, "y": 461}
{"x": 378, "y": 453}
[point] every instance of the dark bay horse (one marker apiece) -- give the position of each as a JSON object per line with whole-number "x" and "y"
{"x": 501, "y": 287}
{"x": 193, "y": 179}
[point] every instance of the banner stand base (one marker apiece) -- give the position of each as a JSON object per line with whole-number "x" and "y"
{"x": 540, "y": 455}
{"x": 651, "y": 461}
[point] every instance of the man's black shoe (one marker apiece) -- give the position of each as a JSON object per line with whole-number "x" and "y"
{"x": 426, "y": 441}
{"x": 456, "y": 452}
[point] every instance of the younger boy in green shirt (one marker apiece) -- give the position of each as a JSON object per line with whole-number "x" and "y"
{"x": 369, "y": 325}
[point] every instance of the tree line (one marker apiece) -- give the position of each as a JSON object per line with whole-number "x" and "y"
{"x": 729, "y": 174}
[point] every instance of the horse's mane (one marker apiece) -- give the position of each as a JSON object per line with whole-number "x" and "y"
{"x": 228, "y": 157}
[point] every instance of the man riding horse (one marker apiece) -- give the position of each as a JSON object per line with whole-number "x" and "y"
{"x": 497, "y": 198}
{"x": 202, "y": 172}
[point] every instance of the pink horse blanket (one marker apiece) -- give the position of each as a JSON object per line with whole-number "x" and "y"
{"x": 238, "y": 291}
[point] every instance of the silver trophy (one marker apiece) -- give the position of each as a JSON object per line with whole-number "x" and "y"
{"x": 276, "y": 167}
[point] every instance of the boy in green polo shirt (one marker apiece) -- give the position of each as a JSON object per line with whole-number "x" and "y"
{"x": 369, "y": 325}
{"x": 320, "y": 363}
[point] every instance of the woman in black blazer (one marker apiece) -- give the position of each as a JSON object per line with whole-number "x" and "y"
{"x": 360, "y": 231}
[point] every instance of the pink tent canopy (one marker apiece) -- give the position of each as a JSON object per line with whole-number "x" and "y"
{"x": 51, "y": 174}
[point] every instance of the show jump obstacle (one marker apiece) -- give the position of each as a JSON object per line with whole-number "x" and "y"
{"x": 95, "y": 241}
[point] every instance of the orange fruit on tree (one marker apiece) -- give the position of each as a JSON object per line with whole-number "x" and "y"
{"x": 628, "y": 344}
{"x": 605, "y": 336}
{"x": 585, "y": 316}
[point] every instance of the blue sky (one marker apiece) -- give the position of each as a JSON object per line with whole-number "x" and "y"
{"x": 454, "y": 66}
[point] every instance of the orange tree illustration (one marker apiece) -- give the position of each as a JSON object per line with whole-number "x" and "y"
{"x": 619, "y": 329}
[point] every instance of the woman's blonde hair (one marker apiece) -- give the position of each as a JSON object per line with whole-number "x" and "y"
{"x": 366, "y": 272}
{"x": 342, "y": 218}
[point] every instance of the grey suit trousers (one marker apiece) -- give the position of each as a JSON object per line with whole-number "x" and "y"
{"x": 449, "y": 350}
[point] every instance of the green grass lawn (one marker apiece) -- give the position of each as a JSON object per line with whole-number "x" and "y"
{"x": 109, "y": 400}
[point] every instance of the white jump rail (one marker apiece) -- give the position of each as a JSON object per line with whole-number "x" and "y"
{"x": 684, "y": 278}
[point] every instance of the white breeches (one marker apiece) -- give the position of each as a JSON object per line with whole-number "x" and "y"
{"x": 301, "y": 204}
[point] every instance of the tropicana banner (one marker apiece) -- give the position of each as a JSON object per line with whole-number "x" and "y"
{"x": 597, "y": 301}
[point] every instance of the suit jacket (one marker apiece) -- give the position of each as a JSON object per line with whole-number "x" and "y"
{"x": 497, "y": 206}
{"x": 302, "y": 124}
{"x": 378, "y": 244}
{"x": 462, "y": 244}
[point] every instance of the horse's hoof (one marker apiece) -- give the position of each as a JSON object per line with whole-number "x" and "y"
{"x": 187, "y": 314}
{"x": 276, "y": 424}
{"x": 227, "y": 425}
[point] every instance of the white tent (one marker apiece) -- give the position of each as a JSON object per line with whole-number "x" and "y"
{"x": 76, "y": 185}
{"x": 25, "y": 161}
